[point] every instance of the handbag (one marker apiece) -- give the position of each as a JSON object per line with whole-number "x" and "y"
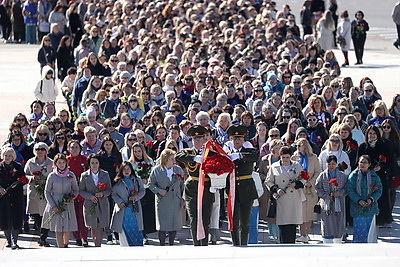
{"x": 317, "y": 209}
{"x": 272, "y": 208}
{"x": 44, "y": 26}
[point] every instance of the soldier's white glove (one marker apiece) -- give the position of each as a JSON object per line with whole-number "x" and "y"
{"x": 198, "y": 159}
{"x": 234, "y": 156}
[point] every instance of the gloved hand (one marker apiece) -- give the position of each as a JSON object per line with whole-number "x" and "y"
{"x": 198, "y": 159}
{"x": 234, "y": 156}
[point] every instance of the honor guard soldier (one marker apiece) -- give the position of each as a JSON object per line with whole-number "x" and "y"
{"x": 245, "y": 189}
{"x": 192, "y": 157}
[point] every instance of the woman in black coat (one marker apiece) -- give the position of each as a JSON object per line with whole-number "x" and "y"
{"x": 11, "y": 197}
{"x": 75, "y": 24}
{"x": 65, "y": 56}
{"x": 376, "y": 148}
{"x": 359, "y": 28}
{"x": 46, "y": 54}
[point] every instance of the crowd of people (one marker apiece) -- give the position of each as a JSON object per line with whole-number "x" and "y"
{"x": 150, "y": 85}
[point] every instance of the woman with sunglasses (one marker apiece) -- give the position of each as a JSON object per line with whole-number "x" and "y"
{"x": 156, "y": 119}
{"x": 258, "y": 93}
{"x": 173, "y": 135}
{"x": 37, "y": 169}
{"x": 42, "y": 134}
{"x": 364, "y": 189}
{"x": 32, "y": 129}
{"x": 23, "y": 123}
{"x": 59, "y": 145}
{"x": 109, "y": 106}
{"x": 357, "y": 103}
{"x": 80, "y": 124}
{"x": 338, "y": 117}
{"x": 310, "y": 164}
{"x": 316, "y": 131}
{"x": 144, "y": 94}
{"x": 382, "y": 162}
{"x": 369, "y": 95}
{"x": 381, "y": 113}
{"x": 126, "y": 150}
{"x": 318, "y": 106}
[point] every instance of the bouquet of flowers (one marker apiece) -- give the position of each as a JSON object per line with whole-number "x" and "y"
{"x": 334, "y": 206}
{"x": 20, "y": 180}
{"x": 396, "y": 182}
{"x": 62, "y": 206}
{"x": 218, "y": 164}
{"x": 144, "y": 170}
{"x": 341, "y": 41}
{"x": 39, "y": 186}
{"x": 100, "y": 187}
{"x": 135, "y": 207}
{"x": 305, "y": 176}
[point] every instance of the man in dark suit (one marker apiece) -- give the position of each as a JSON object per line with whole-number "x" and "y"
{"x": 245, "y": 189}
{"x": 192, "y": 157}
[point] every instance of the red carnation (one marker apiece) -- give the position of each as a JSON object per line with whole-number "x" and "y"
{"x": 304, "y": 175}
{"x": 70, "y": 195}
{"x": 179, "y": 176}
{"x": 134, "y": 192}
{"x": 218, "y": 164}
{"x": 36, "y": 173}
{"x": 374, "y": 186}
{"x": 102, "y": 186}
{"x": 23, "y": 180}
{"x": 149, "y": 143}
{"x": 116, "y": 165}
{"x": 333, "y": 181}
{"x": 383, "y": 158}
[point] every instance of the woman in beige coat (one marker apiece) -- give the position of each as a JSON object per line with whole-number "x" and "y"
{"x": 37, "y": 169}
{"x": 309, "y": 163}
{"x": 264, "y": 199}
{"x": 284, "y": 183}
{"x": 95, "y": 187}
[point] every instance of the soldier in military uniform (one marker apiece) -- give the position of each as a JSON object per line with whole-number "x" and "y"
{"x": 245, "y": 189}
{"x": 192, "y": 158}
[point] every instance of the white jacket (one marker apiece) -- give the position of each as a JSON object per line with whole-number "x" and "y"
{"x": 46, "y": 90}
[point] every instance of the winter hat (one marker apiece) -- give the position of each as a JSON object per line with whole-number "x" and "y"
{"x": 301, "y": 130}
{"x": 90, "y": 112}
{"x": 271, "y": 74}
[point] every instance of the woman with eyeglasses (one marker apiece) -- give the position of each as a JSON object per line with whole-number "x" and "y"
{"x": 59, "y": 145}
{"x": 364, "y": 189}
{"x": 23, "y": 123}
{"x": 332, "y": 201}
{"x": 335, "y": 147}
{"x": 23, "y": 151}
{"x": 58, "y": 124}
{"x": 109, "y": 106}
{"x": 310, "y": 164}
{"x": 382, "y": 161}
{"x": 37, "y": 169}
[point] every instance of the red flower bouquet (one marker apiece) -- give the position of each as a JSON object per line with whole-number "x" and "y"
{"x": 373, "y": 186}
{"x": 333, "y": 182}
{"x": 396, "y": 182}
{"x": 102, "y": 186}
{"x": 20, "y": 180}
{"x": 218, "y": 164}
{"x": 62, "y": 206}
{"x": 350, "y": 146}
{"x": 149, "y": 144}
{"x": 144, "y": 170}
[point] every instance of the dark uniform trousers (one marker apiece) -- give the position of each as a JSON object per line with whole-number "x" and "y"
{"x": 190, "y": 196}
{"x": 245, "y": 194}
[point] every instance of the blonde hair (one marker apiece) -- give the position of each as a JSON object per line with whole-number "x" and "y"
{"x": 8, "y": 150}
{"x": 378, "y": 104}
{"x": 165, "y": 155}
{"x": 335, "y": 135}
{"x": 307, "y": 147}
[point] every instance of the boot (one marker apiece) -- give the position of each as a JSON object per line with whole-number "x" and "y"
{"x": 171, "y": 238}
{"x": 235, "y": 238}
{"x": 244, "y": 239}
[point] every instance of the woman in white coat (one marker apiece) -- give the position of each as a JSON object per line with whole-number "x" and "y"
{"x": 166, "y": 182}
{"x": 344, "y": 36}
{"x": 46, "y": 89}
{"x": 284, "y": 182}
{"x": 325, "y": 28}
{"x": 335, "y": 147}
